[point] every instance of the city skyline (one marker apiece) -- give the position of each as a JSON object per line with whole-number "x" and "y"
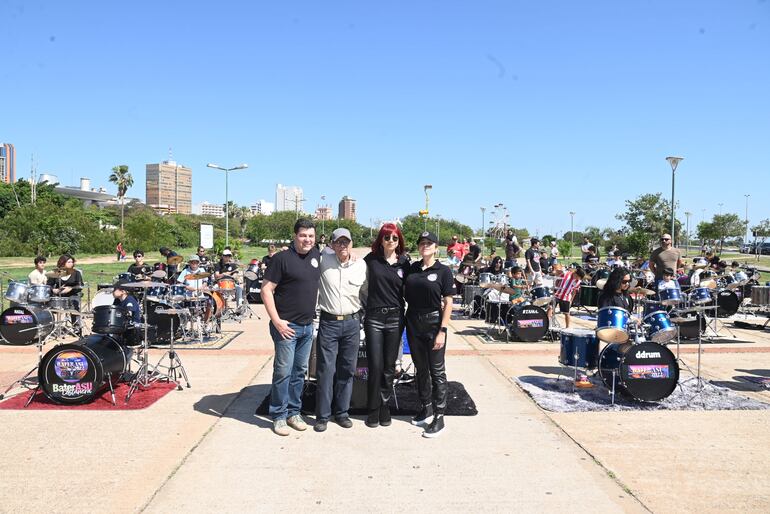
{"x": 548, "y": 108}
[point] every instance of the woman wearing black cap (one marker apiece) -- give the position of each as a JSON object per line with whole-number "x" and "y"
{"x": 428, "y": 291}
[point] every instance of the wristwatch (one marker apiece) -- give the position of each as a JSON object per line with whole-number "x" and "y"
{"x": 443, "y": 330}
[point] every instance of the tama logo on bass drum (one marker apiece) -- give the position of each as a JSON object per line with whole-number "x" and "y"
{"x": 641, "y": 354}
{"x": 530, "y": 311}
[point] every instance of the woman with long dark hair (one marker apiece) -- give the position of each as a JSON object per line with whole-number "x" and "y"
{"x": 428, "y": 291}
{"x": 615, "y": 292}
{"x": 386, "y": 269}
{"x": 69, "y": 285}
{"x": 495, "y": 266}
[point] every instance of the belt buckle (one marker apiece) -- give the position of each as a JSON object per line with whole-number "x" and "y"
{"x": 339, "y": 318}
{"x": 385, "y": 310}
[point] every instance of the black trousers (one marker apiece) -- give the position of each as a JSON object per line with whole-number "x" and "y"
{"x": 383, "y": 340}
{"x": 421, "y": 329}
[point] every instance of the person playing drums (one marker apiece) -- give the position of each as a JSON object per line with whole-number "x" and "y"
{"x": 193, "y": 284}
{"x": 37, "y": 276}
{"x": 139, "y": 269}
{"x": 69, "y": 284}
{"x": 226, "y": 268}
{"x": 517, "y": 286}
{"x": 668, "y": 281}
{"x": 615, "y": 292}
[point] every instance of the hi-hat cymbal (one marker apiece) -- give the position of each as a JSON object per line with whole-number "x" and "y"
{"x": 711, "y": 284}
{"x": 174, "y": 260}
{"x": 58, "y": 273}
{"x": 641, "y": 290}
{"x": 198, "y": 276}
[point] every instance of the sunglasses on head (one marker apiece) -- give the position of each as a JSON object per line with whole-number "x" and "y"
{"x": 389, "y": 237}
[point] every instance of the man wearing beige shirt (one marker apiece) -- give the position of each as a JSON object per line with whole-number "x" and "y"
{"x": 342, "y": 287}
{"x": 37, "y": 276}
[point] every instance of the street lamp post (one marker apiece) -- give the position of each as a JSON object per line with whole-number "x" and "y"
{"x": 746, "y": 232}
{"x": 426, "y": 188}
{"x": 674, "y": 162}
{"x": 227, "y": 199}
{"x": 687, "y": 244}
{"x": 483, "y": 235}
{"x": 571, "y": 232}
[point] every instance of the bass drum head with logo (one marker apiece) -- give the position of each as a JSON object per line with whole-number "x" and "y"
{"x": 77, "y": 373}
{"x": 18, "y": 324}
{"x": 727, "y": 303}
{"x": 647, "y": 371}
{"x": 527, "y": 323}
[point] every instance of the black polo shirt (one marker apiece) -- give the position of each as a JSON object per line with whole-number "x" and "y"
{"x": 385, "y": 281}
{"x": 132, "y": 305}
{"x": 296, "y": 277}
{"x": 424, "y": 289}
{"x": 144, "y": 269}
{"x": 221, "y": 267}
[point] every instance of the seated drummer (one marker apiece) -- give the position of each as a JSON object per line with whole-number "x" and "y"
{"x": 167, "y": 253}
{"x": 495, "y": 267}
{"x": 139, "y": 269}
{"x": 227, "y": 268}
{"x": 123, "y": 299}
{"x": 668, "y": 281}
{"x": 193, "y": 284}
{"x": 205, "y": 261}
{"x": 518, "y": 284}
{"x": 615, "y": 292}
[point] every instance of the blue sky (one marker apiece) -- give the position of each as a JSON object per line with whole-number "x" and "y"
{"x": 547, "y": 107}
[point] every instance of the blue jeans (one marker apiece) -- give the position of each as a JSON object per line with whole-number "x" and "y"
{"x": 337, "y": 347}
{"x": 289, "y": 367}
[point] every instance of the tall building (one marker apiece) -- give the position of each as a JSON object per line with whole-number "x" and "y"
{"x": 263, "y": 207}
{"x": 347, "y": 209}
{"x": 169, "y": 187}
{"x": 288, "y": 198}
{"x": 7, "y": 163}
{"x": 209, "y": 209}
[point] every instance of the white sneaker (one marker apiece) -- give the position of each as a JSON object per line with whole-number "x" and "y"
{"x": 297, "y": 423}
{"x": 280, "y": 428}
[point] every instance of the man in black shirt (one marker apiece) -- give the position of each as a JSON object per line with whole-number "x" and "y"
{"x": 139, "y": 269}
{"x": 289, "y": 292}
{"x": 205, "y": 261}
{"x": 128, "y": 302}
{"x": 474, "y": 250}
{"x": 532, "y": 256}
{"x": 171, "y": 269}
{"x": 227, "y": 268}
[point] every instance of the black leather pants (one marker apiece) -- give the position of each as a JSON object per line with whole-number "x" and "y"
{"x": 421, "y": 330}
{"x": 383, "y": 339}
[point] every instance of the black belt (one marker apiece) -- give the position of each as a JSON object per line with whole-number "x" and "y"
{"x": 383, "y": 310}
{"x": 424, "y": 316}
{"x": 338, "y": 317}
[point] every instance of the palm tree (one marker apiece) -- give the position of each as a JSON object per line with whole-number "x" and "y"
{"x": 123, "y": 179}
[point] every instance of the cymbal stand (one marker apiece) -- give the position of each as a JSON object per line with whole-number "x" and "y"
{"x": 27, "y": 381}
{"x": 174, "y": 363}
{"x": 143, "y": 377}
{"x": 715, "y": 319}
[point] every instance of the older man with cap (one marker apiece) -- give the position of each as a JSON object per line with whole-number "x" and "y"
{"x": 193, "y": 268}
{"x": 340, "y": 294}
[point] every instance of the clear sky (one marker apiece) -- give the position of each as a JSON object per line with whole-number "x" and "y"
{"x": 545, "y": 106}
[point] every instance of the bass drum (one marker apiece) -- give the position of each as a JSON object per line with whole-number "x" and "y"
{"x": 527, "y": 323}
{"x": 102, "y": 298}
{"x": 647, "y": 371}
{"x": 727, "y": 303}
{"x": 77, "y": 373}
{"x": 21, "y": 325}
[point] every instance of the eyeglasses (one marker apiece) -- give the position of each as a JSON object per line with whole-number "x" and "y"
{"x": 393, "y": 238}
{"x": 342, "y": 242}
{"x": 665, "y": 239}
{"x": 626, "y": 282}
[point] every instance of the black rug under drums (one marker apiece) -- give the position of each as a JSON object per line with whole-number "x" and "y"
{"x": 459, "y": 403}
{"x": 556, "y": 395}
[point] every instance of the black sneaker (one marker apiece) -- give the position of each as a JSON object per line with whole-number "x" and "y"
{"x": 425, "y": 416}
{"x": 373, "y": 419}
{"x": 385, "y": 415}
{"x": 320, "y": 425}
{"x": 435, "y": 428}
{"x": 344, "y": 422}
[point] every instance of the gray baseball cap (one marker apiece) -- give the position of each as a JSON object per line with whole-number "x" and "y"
{"x": 341, "y": 232}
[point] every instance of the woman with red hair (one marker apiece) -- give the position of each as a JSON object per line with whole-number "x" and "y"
{"x": 386, "y": 268}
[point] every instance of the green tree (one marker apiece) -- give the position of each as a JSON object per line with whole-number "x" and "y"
{"x": 649, "y": 213}
{"x": 122, "y": 178}
{"x": 721, "y": 227}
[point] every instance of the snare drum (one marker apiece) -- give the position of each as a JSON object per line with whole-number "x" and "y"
{"x": 612, "y": 324}
{"x": 701, "y": 295}
{"x": 541, "y": 295}
{"x": 226, "y": 285}
{"x": 39, "y": 294}
{"x": 670, "y": 296}
{"x": 660, "y": 330}
{"x": 63, "y": 303}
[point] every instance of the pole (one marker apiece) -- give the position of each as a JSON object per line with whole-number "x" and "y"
{"x": 687, "y": 244}
{"x": 673, "y": 175}
{"x": 227, "y": 209}
{"x": 746, "y": 232}
{"x": 571, "y": 232}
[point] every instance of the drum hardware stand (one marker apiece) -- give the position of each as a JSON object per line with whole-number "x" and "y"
{"x": 143, "y": 376}
{"x": 174, "y": 362}
{"x": 27, "y": 381}
{"x": 715, "y": 328}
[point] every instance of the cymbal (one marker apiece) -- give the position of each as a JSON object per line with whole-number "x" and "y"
{"x": 140, "y": 285}
{"x": 174, "y": 260}
{"x": 700, "y": 265}
{"x": 198, "y": 276}
{"x": 158, "y": 274}
{"x": 641, "y": 290}
{"x": 711, "y": 284}
{"x": 56, "y": 274}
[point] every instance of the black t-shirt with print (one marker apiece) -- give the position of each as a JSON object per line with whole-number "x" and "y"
{"x": 385, "y": 282}
{"x": 533, "y": 258}
{"x": 425, "y": 288}
{"x": 296, "y": 277}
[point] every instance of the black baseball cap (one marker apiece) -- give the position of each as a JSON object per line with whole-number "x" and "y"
{"x": 430, "y": 236}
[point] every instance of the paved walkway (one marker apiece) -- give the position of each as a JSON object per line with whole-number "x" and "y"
{"x": 203, "y": 448}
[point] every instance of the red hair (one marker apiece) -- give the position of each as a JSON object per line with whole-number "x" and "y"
{"x": 388, "y": 229}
